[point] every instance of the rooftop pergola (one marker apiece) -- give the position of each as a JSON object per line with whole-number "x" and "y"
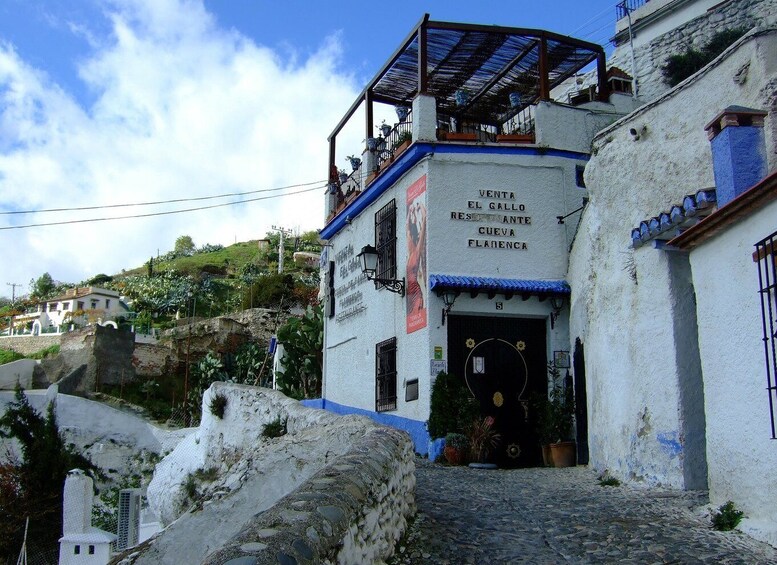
{"x": 487, "y": 63}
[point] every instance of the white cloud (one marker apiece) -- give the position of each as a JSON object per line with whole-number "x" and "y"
{"x": 182, "y": 109}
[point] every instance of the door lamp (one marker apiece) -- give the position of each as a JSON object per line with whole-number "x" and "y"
{"x": 557, "y": 303}
{"x": 448, "y": 298}
{"x": 369, "y": 261}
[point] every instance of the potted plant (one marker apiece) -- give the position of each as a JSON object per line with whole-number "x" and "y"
{"x": 404, "y": 139}
{"x": 483, "y": 439}
{"x": 384, "y": 128}
{"x": 542, "y": 419}
{"x": 456, "y": 448}
{"x": 372, "y": 143}
{"x": 451, "y": 408}
{"x": 562, "y": 414}
{"x": 354, "y": 161}
{"x": 402, "y": 112}
{"x": 342, "y": 175}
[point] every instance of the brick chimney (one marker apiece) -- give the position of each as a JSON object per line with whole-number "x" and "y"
{"x": 738, "y": 151}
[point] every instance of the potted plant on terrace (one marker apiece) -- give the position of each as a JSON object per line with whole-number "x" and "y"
{"x": 403, "y": 141}
{"x": 562, "y": 416}
{"x": 483, "y": 439}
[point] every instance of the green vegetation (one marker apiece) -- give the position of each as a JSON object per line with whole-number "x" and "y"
{"x": 681, "y": 66}
{"x": 607, "y": 480}
{"x": 303, "y": 341}
{"x": 218, "y": 405}
{"x": 33, "y": 487}
{"x": 6, "y": 356}
{"x": 727, "y": 517}
{"x": 276, "y": 428}
{"x": 453, "y": 408}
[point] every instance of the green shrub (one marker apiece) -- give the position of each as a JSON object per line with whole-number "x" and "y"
{"x": 727, "y": 517}
{"x": 276, "y": 428}
{"x": 452, "y": 408}
{"x": 218, "y": 404}
{"x": 682, "y": 65}
{"x": 7, "y": 356}
{"x": 43, "y": 353}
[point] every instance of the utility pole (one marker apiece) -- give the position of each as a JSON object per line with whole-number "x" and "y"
{"x": 13, "y": 290}
{"x": 282, "y": 231}
{"x": 624, "y": 6}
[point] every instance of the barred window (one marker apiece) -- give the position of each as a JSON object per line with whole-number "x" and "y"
{"x": 386, "y": 375}
{"x": 386, "y": 243}
{"x": 765, "y": 257}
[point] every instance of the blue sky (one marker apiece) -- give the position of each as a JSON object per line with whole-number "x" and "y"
{"x": 116, "y": 101}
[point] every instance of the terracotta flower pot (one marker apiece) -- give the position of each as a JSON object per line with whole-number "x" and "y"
{"x": 453, "y": 455}
{"x": 563, "y": 453}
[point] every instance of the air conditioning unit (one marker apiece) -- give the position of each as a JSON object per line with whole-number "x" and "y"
{"x": 129, "y": 518}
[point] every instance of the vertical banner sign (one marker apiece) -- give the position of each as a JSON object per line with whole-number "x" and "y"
{"x": 415, "y": 230}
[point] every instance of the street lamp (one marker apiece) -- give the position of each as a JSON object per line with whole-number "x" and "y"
{"x": 448, "y": 298}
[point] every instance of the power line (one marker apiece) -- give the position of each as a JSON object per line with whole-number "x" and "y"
{"x": 596, "y": 17}
{"x": 81, "y": 208}
{"x": 151, "y": 214}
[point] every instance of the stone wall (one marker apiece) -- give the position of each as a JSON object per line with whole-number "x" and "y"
{"x": 650, "y": 58}
{"x": 27, "y": 345}
{"x": 353, "y": 511}
{"x": 363, "y": 474}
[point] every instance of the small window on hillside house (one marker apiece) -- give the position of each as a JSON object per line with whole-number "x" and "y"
{"x": 94, "y": 304}
{"x": 386, "y": 375}
{"x": 107, "y": 303}
{"x": 66, "y": 305}
{"x": 765, "y": 257}
{"x": 91, "y": 550}
{"x": 386, "y": 242}
{"x": 77, "y": 550}
{"x": 80, "y": 305}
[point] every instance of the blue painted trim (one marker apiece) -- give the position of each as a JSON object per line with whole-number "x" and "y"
{"x": 313, "y": 403}
{"x": 415, "y": 428}
{"x": 455, "y": 282}
{"x": 412, "y": 156}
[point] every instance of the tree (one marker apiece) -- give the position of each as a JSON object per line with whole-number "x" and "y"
{"x": 184, "y": 245}
{"x": 34, "y": 487}
{"x": 303, "y": 354}
{"x": 42, "y": 287}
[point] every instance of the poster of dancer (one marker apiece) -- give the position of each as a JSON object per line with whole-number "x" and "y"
{"x": 415, "y": 231}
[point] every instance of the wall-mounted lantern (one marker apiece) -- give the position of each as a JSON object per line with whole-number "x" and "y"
{"x": 448, "y": 298}
{"x": 369, "y": 261}
{"x": 557, "y": 303}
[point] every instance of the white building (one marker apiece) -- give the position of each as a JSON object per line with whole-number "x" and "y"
{"x": 77, "y": 305}
{"x": 677, "y": 331}
{"x": 481, "y": 206}
{"x": 81, "y": 544}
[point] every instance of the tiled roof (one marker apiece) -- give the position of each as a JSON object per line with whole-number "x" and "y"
{"x": 693, "y": 207}
{"x": 746, "y": 203}
{"x": 488, "y": 284}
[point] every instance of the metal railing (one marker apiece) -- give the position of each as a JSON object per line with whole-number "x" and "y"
{"x": 388, "y": 146}
{"x": 623, "y": 8}
{"x": 765, "y": 257}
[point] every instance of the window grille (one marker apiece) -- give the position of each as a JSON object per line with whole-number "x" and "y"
{"x": 765, "y": 257}
{"x": 330, "y": 290}
{"x": 386, "y": 243}
{"x": 386, "y": 375}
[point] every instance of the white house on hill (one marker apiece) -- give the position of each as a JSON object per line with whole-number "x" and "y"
{"x": 76, "y": 305}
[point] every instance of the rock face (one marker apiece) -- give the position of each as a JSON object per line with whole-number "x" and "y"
{"x": 105, "y": 352}
{"x": 234, "y": 472}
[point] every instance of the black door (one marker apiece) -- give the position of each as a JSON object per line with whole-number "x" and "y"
{"x": 502, "y": 360}
{"x": 581, "y": 403}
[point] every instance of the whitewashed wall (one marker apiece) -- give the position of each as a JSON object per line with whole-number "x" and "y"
{"x": 633, "y": 338}
{"x": 741, "y": 453}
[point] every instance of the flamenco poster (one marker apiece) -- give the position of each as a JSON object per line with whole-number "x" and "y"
{"x": 415, "y": 231}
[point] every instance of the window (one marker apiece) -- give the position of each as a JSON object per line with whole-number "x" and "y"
{"x": 579, "y": 178}
{"x": 80, "y": 305}
{"x": 386, "y": 375}
{"x": 77, "y": 550}
{"x": 386, "y": 243}
{"x": 107, "y": 303}
{"x": 94, "y": 304}
{"x": 66, "y": 305}
{"x": 765, "y": 257}
{"x": 91, "y": 550}
{"x": 53, "y": 307}
{"x": 330, "y": 290}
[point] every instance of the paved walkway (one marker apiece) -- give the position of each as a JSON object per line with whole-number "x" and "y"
{"x": 560, "y": 516}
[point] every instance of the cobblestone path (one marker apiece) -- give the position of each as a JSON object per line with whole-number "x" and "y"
{"x": 560, "y": 516}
